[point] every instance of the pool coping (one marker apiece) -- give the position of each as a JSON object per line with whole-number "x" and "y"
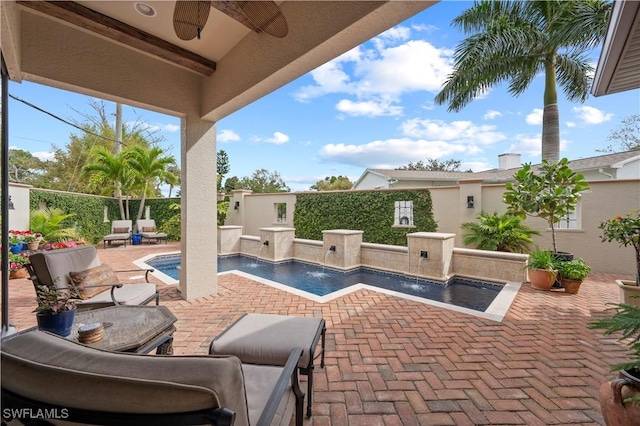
{"x": 495, "y": 311}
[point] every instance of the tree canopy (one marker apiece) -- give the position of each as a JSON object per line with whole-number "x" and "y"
{"x": 513, "y": 41}
{"x": 434, "y": 165}
{"x": 261, "y": 181}
{"x": 332, "y": 183}
{"x": 626, "y": 137}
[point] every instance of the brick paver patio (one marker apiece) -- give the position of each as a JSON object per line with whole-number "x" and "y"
{"x": 391, "y": 361}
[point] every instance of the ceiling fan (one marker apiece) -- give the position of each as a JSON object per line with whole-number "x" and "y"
{"x": 190, "y": 17}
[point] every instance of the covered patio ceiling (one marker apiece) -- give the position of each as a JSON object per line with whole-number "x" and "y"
{"x": 114, "y": 51}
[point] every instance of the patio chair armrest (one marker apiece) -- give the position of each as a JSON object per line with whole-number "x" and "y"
{"x": 289, "y": 372}
{"x": 146, "y": 272}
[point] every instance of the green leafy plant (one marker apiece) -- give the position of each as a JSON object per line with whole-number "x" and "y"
{"x": 542, "y": 259}
{"x": 17, "y": 261}
{"x": 51, "y": 301}
{"x": 551, "y": 194}
{"x": 626, "y": 321}
{"x": 575, "y": 269}
{"x": 498, "y": 232}
{"x": 49, "y": 222}
{"x": 172, "y": 226}
{"x": 626, "y": 231}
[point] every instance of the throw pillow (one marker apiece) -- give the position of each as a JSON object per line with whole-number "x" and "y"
{"x": 149, "y": 229}
{"x": 101, "y": 275}
{"x": 120, "y": 230}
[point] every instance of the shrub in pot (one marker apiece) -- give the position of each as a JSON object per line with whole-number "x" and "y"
{"x": 542, "y": 266}
{"x": 55, "y": 311}
{"x": 572, "y": 273}
{"x": 620, "y": 398}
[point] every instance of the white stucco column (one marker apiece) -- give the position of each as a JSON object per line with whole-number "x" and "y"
{"x": 198, "y": 274}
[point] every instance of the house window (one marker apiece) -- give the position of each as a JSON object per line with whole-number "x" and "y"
{"x": 403, "y": 215}
{"x": 281, "y": 212}
{"x": 573, "y": 220}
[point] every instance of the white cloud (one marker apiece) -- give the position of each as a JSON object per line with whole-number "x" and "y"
{"x": 368, "y": 108}
{"x": 170, "y": 128}
{"x": 384, "y": 70}
{"x": 227, "y": 135}
{"x": 424, "y": 27}
{"x": 45, "y": 156}
{"x": 476, "y": 166}
{"x": 531, "y": 145}
{"x": 491, "y": 114}
{"x": 591, "y": 115}
{"x": 457, "y": 131}
{"x": 149, "y": 127}
{"x": 278, "y": 138}
{"x": 535, "y": 118}
{"x": 571, "y": 124}
{"x": 391, "y": 153}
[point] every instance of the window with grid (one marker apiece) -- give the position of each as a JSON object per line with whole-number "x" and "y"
{"x": 572, "y": 220}
{"x": 281, "y": 212}
{"x": 403, "y": 215}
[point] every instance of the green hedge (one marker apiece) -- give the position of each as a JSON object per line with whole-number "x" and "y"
{"x": 368, "y": 211}
{"x": 89, "y": 210}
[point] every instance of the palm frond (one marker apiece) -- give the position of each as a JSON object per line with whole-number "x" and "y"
{"x": 573, "y": 73}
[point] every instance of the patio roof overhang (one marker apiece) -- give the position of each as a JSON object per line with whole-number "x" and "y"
{"x": 619, "y": 62}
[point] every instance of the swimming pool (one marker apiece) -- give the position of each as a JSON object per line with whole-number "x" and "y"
{"x": 323, "y": 284}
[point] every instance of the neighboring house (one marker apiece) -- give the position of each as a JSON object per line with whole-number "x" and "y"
{"x": 621, "y": 165}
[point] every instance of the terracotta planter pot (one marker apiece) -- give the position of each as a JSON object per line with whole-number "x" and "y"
{"x": 33, "y": 246}
{"x": 20, "y": 273}
{"x": 628, "y": 289}
{"x": 542, "y": 279}
{"x": 612, "y": 395}
{"x": 571, "y": 286}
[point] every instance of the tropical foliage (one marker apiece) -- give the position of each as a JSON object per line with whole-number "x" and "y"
{"x": 332, "y": 183}
{"x": 49, "y": 223}
{"x": 626, "y": 231}
{"x": 515, "y": 41}
{"x": 498, "y": 232}
{"x": 551, "y": 194}
{"x": 434, "y": 165}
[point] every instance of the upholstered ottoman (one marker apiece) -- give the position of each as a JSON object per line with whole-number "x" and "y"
{"x": 268, "y": 340}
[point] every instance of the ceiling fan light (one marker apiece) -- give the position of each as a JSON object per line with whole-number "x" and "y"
{"x": 144, "y": 9}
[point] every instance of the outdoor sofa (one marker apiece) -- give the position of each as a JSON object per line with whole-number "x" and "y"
{"x": 92, "y": 386}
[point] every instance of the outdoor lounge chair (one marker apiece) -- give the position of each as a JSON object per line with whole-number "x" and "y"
{"x": 114, "y": 388}
{"x": 91, "y": 279}
{"x": 120, "y": 231}
{"x": 148, "y": 230}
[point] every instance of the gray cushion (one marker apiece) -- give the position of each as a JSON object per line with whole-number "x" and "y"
{"x": 55, "y": 265}
{"x": 120, "y": 382}
{"x": 268, "y": 339}
{"x": 259, "y": 382}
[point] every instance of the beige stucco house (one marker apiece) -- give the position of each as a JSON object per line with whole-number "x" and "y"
{"x": 622, "y": 165}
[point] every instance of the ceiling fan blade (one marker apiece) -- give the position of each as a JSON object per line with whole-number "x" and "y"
{"x": 259, "y": 16}
{"x": 189, "y": 18}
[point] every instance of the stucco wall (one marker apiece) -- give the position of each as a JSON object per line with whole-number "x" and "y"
{"x": 604, "y": 200}
{"x": 19, "y": 216}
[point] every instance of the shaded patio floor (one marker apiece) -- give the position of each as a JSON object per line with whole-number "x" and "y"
{"x": 391, "y": 361}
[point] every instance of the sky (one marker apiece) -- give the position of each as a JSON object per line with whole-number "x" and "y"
{"x": 371, "y": 107}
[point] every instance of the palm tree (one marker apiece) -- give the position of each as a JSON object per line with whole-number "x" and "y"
{"x": 498, "y": 232}
{"x": 514, "y": 41}
{"x": 108, "y": 172}
{"x": 149, "y": 168}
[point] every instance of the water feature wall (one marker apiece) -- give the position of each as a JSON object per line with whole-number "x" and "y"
{"x": 440, "y": 259}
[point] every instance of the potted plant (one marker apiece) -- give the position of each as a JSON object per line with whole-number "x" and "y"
{"x": 626, "y": 231}
{"x": 16, "y": 266}
{"x": 33, "y": 240}
{"x": 551, "y": 194}
{"x": 572, "y": 273}
{"x": 620, "y": 398}
{"x": 15, "y": 242}
{"x": 542, "y": 266}
{"x": 498, "y": 232}
{"x": 55, "y": 311}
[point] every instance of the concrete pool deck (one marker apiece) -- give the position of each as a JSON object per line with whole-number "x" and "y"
{"x": 392, "y": 361}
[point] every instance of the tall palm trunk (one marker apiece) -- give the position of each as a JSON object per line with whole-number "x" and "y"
{"x": 142, "y": 201}
{"x": 120, "y": 203}
{"x": 550, "y": 116}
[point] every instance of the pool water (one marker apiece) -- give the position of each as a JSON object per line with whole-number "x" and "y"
{"x": 320, "y": 281}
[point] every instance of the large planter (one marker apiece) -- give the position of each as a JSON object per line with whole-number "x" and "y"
{"x": 612, "y": 395}
{"x": 59, "y": 323}
{"x": 542, "y": 279}
{"x": 571, "y": 286}
{"x": 628, "y": 289}
{"x": 33, "y": 246}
